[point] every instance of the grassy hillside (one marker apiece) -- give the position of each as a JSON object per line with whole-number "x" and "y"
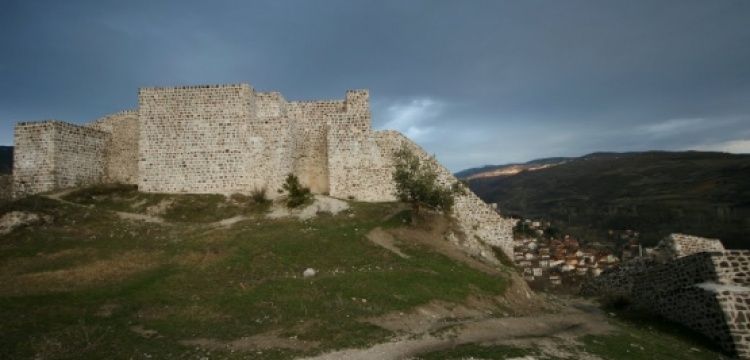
{"x": 92, "y": 282}
{"x": 656, "y": 193}
{"x": 6, "y": 160}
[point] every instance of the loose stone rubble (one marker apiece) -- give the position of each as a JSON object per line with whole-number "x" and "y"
{"x": 690, "y": 280}
{"x": 233, "y": 139}
{"x": 16, "y": 219}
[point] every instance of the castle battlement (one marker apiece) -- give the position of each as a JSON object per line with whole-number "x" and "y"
{"x": 189, "y": 87}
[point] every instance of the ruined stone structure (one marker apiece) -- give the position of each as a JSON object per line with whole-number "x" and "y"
{"x": 692, "y": 281}
{"x": 52, "y": 154}
{"x": 233, "y": 139}
{"x": 679, "y": 245}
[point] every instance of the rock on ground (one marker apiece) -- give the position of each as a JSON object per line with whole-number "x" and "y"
{"x": 321, "y": 204}
{"x": 17, "y": 219}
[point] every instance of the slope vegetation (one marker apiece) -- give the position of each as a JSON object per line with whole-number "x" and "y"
{"x": 656, "y": 193}
{"x": 109, "y": 272}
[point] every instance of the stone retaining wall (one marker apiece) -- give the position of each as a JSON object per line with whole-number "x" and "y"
{"x": 705, "y": 291}
{"x": 677, "y": 245}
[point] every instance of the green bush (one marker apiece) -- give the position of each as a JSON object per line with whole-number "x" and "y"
{"x": 417, "y": 183}
{"x": 297, "y": 194}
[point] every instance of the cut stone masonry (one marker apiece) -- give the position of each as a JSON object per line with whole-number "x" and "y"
{"x": 692, "y": 281}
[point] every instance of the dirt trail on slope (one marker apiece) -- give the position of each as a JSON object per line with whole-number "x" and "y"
{"x": 550, "y": 333}
{"x": 384, "y": 239}
{"x": 58, "y": 196}
{"x": 432, "y": 234}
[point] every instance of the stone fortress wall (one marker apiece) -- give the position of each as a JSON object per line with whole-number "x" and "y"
{"x": 195, "y": 139}
{"x": 232, "y": 139}
{"x": 6, "y": 187}
{"x": 122, "y": 151}
{"x": 692, "y": 282}
{"x": 52, "y": 154}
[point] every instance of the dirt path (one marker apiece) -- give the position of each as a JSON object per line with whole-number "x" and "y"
{"x": 434, "y": 237}
{"x": 58, "y": 196}
{"x": 552, "y": 334}
{"x": 384, "y": 239}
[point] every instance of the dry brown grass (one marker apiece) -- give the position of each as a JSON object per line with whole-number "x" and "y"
{"x": 29, "y": 264}
{"x": 79, "y": 276}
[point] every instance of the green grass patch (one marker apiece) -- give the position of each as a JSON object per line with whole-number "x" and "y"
{"x": 189, "y": 280}
{"x": 641, "y": 336}
{"x": 186, "y": 208}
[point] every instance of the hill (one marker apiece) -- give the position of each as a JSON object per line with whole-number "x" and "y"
{"x": 656, "y": 193}
{"x": 509, "y": 169}
{"x": 108, "y": 272}
{"x": 6, "y": 160}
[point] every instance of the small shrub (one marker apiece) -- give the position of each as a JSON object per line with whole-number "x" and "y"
{"x": 298, "y": 194}
{"x": 259, "y": 196}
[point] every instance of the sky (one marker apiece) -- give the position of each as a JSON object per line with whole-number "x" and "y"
{"x": 474, "y": 82}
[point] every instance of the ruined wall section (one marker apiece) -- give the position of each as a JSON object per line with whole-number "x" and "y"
{"x": 679, "y": 245}
{"x": 480, "y": 224}
{"x": 122, "y": 151}
{"x": 701, "y": 291}
{"x": 355, "y": 159}
{"x": 33, "y": 158}
{"x": 52, "y": 155}
{"x": 708, "y": 292}
{"x": 80, "y": 155}
{"x": 271, "y": 143}
{"x": 360, "y": 165}
{"x": 310, "y": 128}
{"x": 195, "y": 139}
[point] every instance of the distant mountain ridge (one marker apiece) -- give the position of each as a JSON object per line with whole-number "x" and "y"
{"x": 655, "y": 193}
{"x": 509, "y": 169}
{"x": 6, "y": 159}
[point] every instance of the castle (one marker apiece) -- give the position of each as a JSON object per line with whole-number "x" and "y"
{"x": 233, "y": 139}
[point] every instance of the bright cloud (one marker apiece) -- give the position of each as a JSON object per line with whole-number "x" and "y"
{"x": 413, "y": 118}
{"x": 739, "y": 146}
{"x": 671, "y": 126}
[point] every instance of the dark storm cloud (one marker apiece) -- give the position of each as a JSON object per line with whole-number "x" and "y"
{"x": 474, "y": 82}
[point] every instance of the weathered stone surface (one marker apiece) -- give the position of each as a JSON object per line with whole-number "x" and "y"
{"x": 6, "y": 187}
{"x": 690, "y": 283}
{"x": 679, "y": 245}
{"x": 52, "y": 155}
{"x": 121, "y": 155}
